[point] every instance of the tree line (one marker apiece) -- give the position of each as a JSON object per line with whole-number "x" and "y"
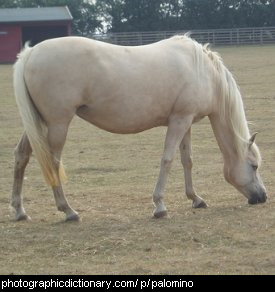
{"x": 156, "y": 15}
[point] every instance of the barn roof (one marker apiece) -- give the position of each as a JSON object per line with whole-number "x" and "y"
{"x": 8, "y": 15}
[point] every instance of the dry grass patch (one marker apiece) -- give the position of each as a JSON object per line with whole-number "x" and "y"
{"x": 111, "y": 179}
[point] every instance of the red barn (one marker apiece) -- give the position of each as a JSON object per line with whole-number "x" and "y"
{"x": 18, "y": 25}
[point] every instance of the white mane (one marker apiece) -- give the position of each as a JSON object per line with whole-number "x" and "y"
{"x": 231, "y": 108}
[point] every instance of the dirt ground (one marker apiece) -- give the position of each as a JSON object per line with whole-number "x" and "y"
{"x": 111, "y": 179}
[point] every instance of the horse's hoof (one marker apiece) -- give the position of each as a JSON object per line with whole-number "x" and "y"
{"x": 201, "y": 204}
{"x": 22, "y": 217}
{"x": 73, "y": 218}
{"x": 160, "y": 214}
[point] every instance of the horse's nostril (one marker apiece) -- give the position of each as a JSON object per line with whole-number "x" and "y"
{"x": 256, "y": 198}
{"x": 253, "y": 201}
{"x": 264, "y": 197}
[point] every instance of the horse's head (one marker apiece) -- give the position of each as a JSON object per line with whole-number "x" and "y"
{"x": 244, "y": 174}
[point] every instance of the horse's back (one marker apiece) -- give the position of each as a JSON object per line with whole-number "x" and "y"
{"x": 124, "y": 89}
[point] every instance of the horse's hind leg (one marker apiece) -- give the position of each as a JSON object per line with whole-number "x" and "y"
{"x": 56, "y": 139}
{"x": 177, "y": 128}
{"x": 186, "y": 160}
{"x": 22, "y": 155}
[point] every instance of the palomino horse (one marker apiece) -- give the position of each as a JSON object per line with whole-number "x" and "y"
{"x": 123, "y": 89}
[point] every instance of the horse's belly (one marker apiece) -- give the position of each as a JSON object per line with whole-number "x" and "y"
{"x": 122, "y": 122}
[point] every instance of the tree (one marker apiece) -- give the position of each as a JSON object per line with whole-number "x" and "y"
{"x": 156, "y": 15}
{"x": 147, "y": 15}
{"x": 128, "y": 15}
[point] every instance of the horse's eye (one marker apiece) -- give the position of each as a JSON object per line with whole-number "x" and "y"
{"x": 255, "y": 167}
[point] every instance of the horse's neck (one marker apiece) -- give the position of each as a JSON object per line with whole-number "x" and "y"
{"x": 228, "y": 121}
{"x": 225, "y": 137}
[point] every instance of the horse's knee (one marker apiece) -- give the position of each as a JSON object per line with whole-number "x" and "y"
{"x": 166, "y": 163}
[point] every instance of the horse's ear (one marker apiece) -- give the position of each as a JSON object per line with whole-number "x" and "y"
{"x": 252, "y": 139}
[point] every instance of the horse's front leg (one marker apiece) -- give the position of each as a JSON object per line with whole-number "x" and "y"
{"x": 186, "y": 160}
{"x": 177, "y": 127}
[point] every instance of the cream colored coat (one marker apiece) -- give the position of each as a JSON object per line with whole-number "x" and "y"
{"x": 172, "y": 83}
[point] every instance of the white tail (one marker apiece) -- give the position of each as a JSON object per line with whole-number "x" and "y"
{"x": 35, "y": 127}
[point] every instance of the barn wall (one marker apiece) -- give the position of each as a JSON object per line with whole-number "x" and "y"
{"x": 10, "y": 42}
{"x": 13, "y": 36}
{"x": 36, "y": 33}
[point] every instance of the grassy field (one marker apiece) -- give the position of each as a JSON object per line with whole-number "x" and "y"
{"x": 111, "y": 179}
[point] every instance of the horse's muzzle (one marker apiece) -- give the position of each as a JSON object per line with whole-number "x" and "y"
{"x": 257, "y": 198}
